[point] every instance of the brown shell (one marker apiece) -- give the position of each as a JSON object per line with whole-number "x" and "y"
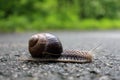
{"x": 42, "y": 43}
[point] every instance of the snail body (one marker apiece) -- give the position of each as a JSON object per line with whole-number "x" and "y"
{"x": 47, "y": 47}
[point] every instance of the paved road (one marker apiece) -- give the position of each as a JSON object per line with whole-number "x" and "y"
{"x": 106, "y": 64}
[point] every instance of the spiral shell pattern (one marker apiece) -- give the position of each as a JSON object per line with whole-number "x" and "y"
{"x": 43, "y": 43}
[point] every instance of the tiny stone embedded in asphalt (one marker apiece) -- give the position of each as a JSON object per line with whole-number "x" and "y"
{"x": 105, "y": 66}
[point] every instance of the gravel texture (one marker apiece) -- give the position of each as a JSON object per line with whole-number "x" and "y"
{"x": 105, "y": 66}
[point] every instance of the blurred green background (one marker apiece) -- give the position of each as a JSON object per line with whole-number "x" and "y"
{"x": 32, "y": 15}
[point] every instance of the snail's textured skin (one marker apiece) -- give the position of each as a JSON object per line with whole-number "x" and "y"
{"x": 66, "y": 56}
{"x": 47, "y": 47}
{"x": 77, "y": 55}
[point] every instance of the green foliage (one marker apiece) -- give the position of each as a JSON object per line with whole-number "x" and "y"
{"x": 22, "y": 15}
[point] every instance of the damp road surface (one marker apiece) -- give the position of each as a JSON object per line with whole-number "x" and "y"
{"x": 105, "y": 65}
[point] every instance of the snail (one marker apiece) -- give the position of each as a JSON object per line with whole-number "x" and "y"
{"x": 47, "y": 47}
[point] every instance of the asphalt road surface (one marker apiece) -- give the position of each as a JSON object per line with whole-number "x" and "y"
{"x": 105, "y": 66}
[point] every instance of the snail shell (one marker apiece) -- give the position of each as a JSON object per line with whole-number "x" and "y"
{"x": 47, "y": 47}
{"x": 40, "y": 44}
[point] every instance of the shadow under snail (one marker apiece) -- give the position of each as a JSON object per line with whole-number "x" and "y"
{"x": 47, "y": 47}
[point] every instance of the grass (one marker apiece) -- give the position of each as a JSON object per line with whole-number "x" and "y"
{"x": 22, "y": 24}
